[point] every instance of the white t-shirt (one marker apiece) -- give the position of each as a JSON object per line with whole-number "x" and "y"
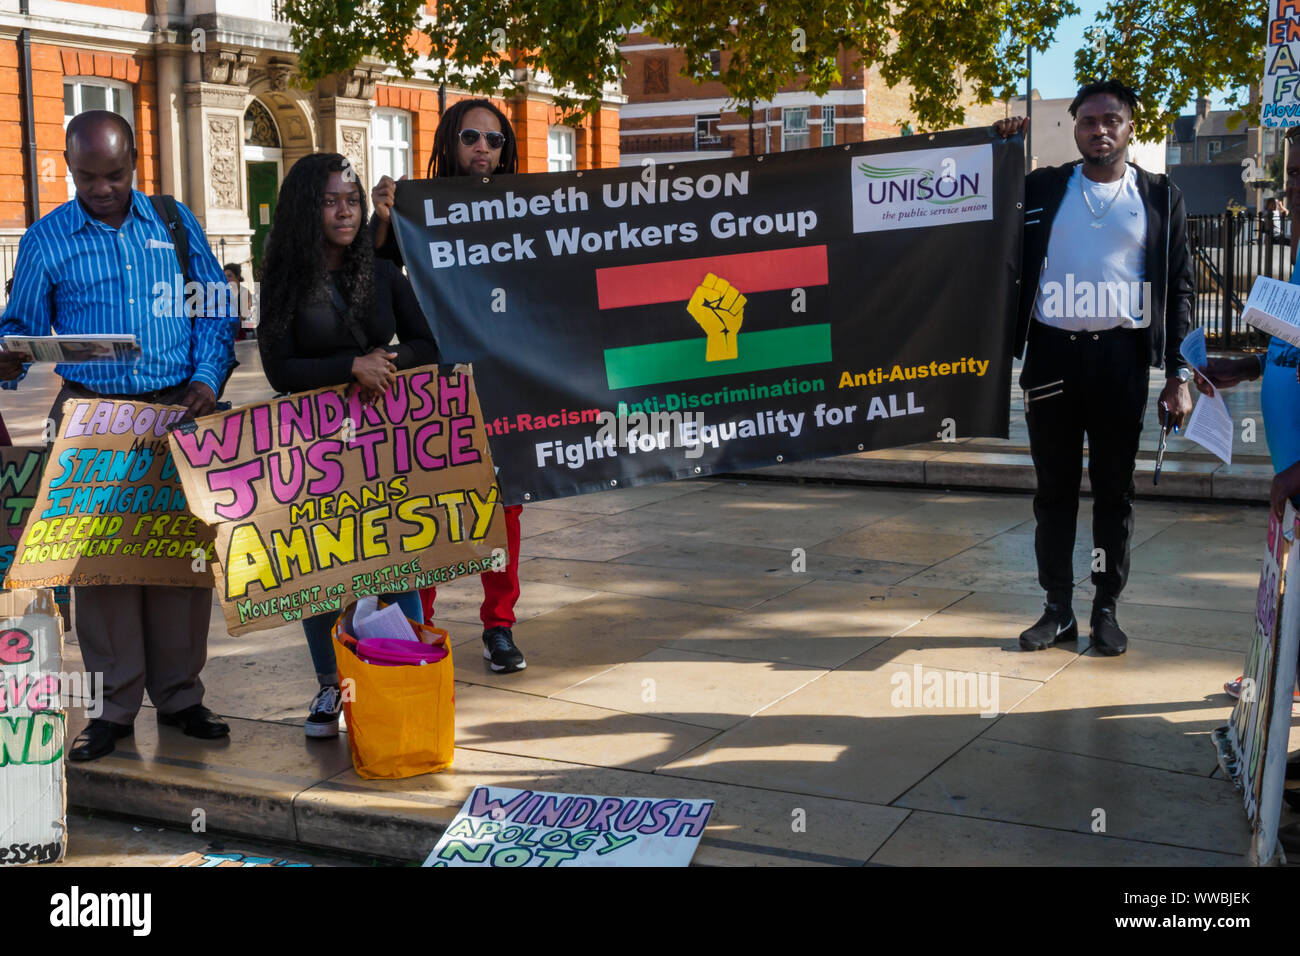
{"x": 1093, "y": 275}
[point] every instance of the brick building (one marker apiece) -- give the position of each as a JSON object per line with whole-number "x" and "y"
{"x": 672, "y": 118}
{"x": 208, "y": 86}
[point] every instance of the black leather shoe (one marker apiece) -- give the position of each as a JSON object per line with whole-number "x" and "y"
{"x": 1056, "y": 626}
{"x": 1107, "y": 637}
{"x": 196, "y": 721}
{"x": 98, "y": 739}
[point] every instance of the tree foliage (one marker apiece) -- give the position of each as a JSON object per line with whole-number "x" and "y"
{"x": 1171, "y": 51}
{"x": 1168, "y": 50}
{"x": 933, "y": 46}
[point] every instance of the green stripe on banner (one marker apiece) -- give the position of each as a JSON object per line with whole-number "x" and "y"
{"x": 684, "y": 359}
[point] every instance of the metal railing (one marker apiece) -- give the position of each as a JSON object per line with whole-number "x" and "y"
{"x": 8, "y": 255}
{"x": 1228, "y": 252}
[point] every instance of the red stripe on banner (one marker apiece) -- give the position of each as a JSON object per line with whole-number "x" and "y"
{"x": 619, "y": 287}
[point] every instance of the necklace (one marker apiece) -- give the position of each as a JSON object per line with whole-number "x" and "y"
{"x": 1098, "y": 216}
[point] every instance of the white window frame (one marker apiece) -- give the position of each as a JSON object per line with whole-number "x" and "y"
{"x": 128, "y": 109}
{"x": 561, "y": 149}
{"x": 393, "y": 147}
{"x": 702, "y": 135}
{"x": 802, "y": 130}
{"x": 1213, "y": 147}
{"x": 828, "y": 125}
{"x": 1173, "y": 154}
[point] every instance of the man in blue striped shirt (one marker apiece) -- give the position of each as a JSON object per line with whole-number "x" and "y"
{"x": 105, "y": 262}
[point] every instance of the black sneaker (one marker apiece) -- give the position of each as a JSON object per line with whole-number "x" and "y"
{"x": 323, "y": 720}
{"x": 500, "y": 652}
{"x": 1107, "y": 637}
{"x": 1056, "y": 626}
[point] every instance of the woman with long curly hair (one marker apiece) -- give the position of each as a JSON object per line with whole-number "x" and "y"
{"x": 474, "y": 138}
{"x": 330, "y": 310}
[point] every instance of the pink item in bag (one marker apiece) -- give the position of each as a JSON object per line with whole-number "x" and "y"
{"x": 395, "y": 652}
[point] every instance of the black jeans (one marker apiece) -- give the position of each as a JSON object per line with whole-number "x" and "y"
{"x": 1076, "y": 384}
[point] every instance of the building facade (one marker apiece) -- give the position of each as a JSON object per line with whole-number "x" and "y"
{"x": 1217, "y": 136}
{"x": 210, "y": 88}
{"x": 673, "y": 118}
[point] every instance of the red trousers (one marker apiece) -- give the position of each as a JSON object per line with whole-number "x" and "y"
{"x": 500, "y": 588}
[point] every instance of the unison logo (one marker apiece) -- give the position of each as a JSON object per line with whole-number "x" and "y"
{"x": 909, "y": 183}
{"x": 925, "y": 187}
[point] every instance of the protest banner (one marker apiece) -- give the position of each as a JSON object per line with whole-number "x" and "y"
{"x": 1280, "y": 90}
{"x": 641, "y": 324}
{"x": 33, "y": 801}
{"x": 20, "y": 483}
{"x": 318, "y": 499}
{"x": 111, "y": 509}
{"x": 501, "y": 826}
{"x": 1252, "y": 746}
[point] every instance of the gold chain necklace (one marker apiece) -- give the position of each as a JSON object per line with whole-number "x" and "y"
{"x": 1097, "y": 217}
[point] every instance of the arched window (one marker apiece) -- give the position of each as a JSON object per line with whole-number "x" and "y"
{"x": 259, "y": 127}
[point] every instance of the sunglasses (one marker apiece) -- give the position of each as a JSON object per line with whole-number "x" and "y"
{"x": 494, "y": 140}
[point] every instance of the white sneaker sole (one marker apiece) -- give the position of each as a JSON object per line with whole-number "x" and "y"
{"x": 330, "y": 729}
{"x": 498, "y": 668}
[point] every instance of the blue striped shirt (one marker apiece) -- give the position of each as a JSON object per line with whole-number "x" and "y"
{"x": 79, "y": 276}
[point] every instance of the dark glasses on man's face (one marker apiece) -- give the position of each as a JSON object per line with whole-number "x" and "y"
{"x": 494, "y": 140}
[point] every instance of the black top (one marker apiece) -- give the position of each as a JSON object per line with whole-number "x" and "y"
{"x": 320, "y": 345}
{"x": 1167, "y": 263}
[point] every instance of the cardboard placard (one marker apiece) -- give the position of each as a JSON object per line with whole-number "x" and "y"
{"x": 501, "y": 826}
{"x": 111, "y": 509}
{"x": 20, "y": 483}
{"x": 1252, "y": 746}
{"x": 33, "y": 799}
{"x": 317, "y": 499}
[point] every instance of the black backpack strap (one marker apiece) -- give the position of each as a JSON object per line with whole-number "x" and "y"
{"x": 170, "y": 214}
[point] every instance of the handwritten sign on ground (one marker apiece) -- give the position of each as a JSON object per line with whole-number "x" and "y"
{"x": 32, "y": 795}
{"x": 213, "y": 858}
{"x": 318, "y": 499}
{"x": 1252, "y": 747}
{"x": 111, "y": 509}
{"x": 500, "y": 826}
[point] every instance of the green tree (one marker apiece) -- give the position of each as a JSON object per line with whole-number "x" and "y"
{"x": 1170, "y": 51}
{"x": 935, "y": 46}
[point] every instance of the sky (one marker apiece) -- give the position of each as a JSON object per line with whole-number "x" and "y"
{"x": 1054, "y": 70}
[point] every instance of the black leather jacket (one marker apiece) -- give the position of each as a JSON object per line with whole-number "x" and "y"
{"x": 1168, "y": 262}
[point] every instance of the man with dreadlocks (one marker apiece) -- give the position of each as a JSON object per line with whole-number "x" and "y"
{"x": 474, "y": 138}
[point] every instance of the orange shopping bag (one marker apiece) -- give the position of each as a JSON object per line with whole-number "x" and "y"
{"x": 401, "y": 720}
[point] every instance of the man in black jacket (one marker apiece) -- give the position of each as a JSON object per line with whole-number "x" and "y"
{"x": 1105, "y": 292}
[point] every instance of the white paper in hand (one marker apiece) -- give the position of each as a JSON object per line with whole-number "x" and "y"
{"x": 1274, "y": 307}
{"x": 1210, "y": 426}
{"x": 1193, "y": 349}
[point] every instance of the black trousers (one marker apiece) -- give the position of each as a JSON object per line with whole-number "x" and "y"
{"x": 1077, "y": 384}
